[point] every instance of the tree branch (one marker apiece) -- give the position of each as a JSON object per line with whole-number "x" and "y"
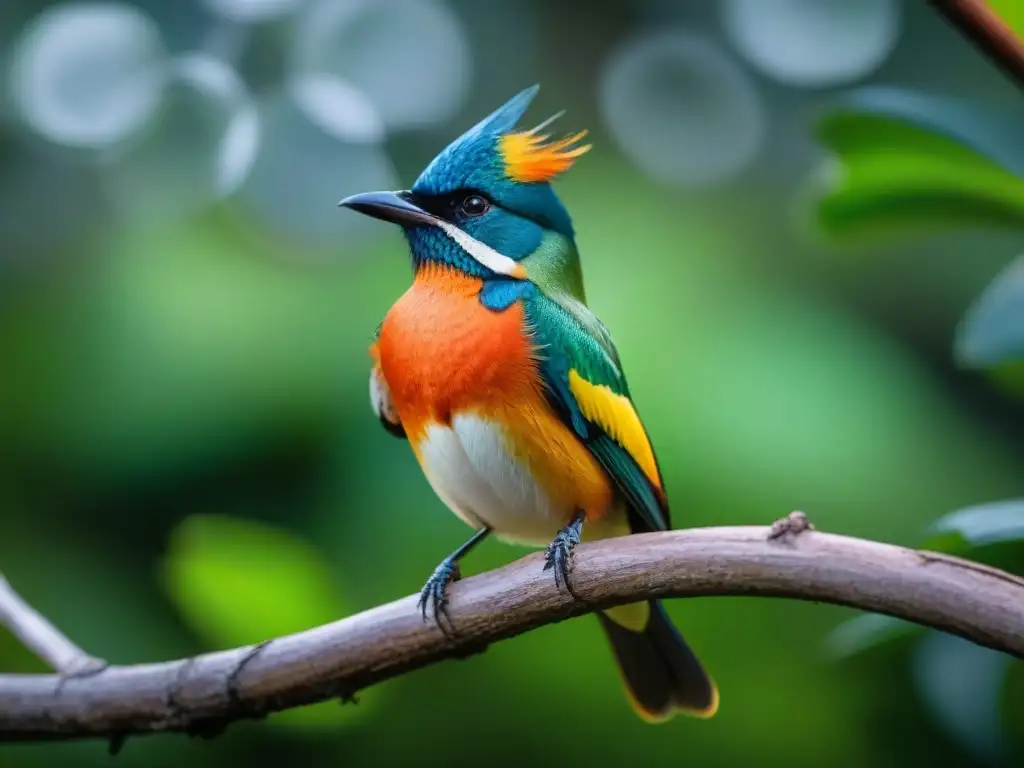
{"x": 977, "y": 21}
{"x": 41, "y": 637}
{"x": 203, "y": 694}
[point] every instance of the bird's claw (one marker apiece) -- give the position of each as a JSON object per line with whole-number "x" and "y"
{"x": 559, "y": 554}
{"x": 434, "y": 594}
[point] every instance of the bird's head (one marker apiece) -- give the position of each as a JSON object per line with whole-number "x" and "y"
{"x": 485, "y": 204}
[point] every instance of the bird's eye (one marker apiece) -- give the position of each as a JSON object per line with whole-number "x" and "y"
{"x": 474, "y": 205}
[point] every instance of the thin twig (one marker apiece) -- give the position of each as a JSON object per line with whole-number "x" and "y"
{"x": 977, "y": 21}
{"x": 203, "y": 694}
{"x": 41, "y": 637}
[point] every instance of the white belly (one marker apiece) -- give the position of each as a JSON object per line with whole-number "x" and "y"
{"x": 470, "y": 467}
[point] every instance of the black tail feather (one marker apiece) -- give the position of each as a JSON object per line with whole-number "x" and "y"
{"x": 661, "y": 673}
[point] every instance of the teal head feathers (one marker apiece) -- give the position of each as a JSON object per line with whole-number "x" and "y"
{"x": 485, "y": 204}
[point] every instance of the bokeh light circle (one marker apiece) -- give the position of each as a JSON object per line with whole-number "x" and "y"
{"x": 681, "y": 109}
{"x": 252, "y": 11}
{"x": 201, "y": 146}
{"x": 302, "y": 171}
{"x": 338, "y": 108}
{"x": 813, "y": 43}
{"x": 89, "y": 74}
{"x": 410, "y": 57}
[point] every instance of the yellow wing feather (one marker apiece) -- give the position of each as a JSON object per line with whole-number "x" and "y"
{"x": 615, "y": 414}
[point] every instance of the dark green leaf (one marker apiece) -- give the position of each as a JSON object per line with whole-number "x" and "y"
{"x": 1009, "y": 376}
{"x": 961, "y": 682}
{"x": 977, "y": 526}
{"x": 992, "y": 332}
{"x": 866, "y": 632}
{"x": 956, "y": 533}
{"x": 909, "y": 161}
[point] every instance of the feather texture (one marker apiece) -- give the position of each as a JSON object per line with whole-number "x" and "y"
{"x": 587, "y": 387}
{"x": 380, "y": 394}
{"x": 529, "y": 157}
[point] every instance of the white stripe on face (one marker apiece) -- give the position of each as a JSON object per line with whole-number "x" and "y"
{"x": 481, "y": 252}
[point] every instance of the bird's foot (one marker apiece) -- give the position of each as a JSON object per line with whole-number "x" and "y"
{"x": 559, "y": 554}
{"x": 434, "y": 594}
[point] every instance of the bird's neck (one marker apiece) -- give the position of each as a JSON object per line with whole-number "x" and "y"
{"x": 435, "y": 276}
{"x": 431, "y": 248}
{"x": 555, "y": 267}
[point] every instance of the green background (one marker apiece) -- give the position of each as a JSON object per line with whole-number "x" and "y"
{"x": 188, "y": 460}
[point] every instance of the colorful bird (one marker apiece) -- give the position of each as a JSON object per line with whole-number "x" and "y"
{"x": 510, "y": 390}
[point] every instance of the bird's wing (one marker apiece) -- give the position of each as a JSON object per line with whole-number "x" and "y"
{"x": 585, "y": 383}
{"x": 380, "y": 395}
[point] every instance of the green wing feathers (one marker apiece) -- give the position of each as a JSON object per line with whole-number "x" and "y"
{"x": 586, "y": 385}
{"x": 580, "y": 367}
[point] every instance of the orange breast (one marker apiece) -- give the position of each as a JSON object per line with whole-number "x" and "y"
{"x": 442, "y": 352}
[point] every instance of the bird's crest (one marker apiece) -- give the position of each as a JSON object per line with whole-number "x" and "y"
{"x": 530, "y": 157}
{"x": 511, "y": 166}
{"x": 494, "y": 156}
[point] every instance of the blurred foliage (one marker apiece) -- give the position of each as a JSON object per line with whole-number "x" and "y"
{"x": 235, "y": 583}
{"x": 917, "y": 162}
{"x": 1010, "y": 11}
{"x": 992, "y": 333}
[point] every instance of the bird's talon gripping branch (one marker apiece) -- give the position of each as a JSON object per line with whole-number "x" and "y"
{"x": 559, "y": 555}
{"x": 790, "y": 526}
{"x": 434, "y": 594}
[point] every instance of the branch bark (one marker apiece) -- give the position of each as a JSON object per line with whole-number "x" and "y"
{"x": 978, "y": 22}
{"x": 203, "y": 694}
{"x": 41, "y": 637}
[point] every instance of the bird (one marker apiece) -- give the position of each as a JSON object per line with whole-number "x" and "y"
{"x": 510, "y": 390}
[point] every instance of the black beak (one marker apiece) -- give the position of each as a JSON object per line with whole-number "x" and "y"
{"x": 389, "y": 206}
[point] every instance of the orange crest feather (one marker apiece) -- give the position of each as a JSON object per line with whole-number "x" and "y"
{"x": 529, "y": 157}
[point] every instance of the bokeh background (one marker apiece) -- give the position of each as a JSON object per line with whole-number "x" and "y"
{"x": 188, "y": 459}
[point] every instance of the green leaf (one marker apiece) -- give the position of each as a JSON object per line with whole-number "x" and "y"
{"x": 961, "y": 683}
{"x": 212, "y": 354}
{"x": 978, "y": 526}
{"x": 955, "y": 533}
{"x": 907, "y": 161}
{"x": 1010, "y": 11}
{"x": 1009, "y": 377}
{"x": 992, "y": 332}
{"x": 866, "y": 632}
{"x": 239, "y": 582}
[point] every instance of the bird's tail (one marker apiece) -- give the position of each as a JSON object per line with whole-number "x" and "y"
{"x": 662, "y": 674}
